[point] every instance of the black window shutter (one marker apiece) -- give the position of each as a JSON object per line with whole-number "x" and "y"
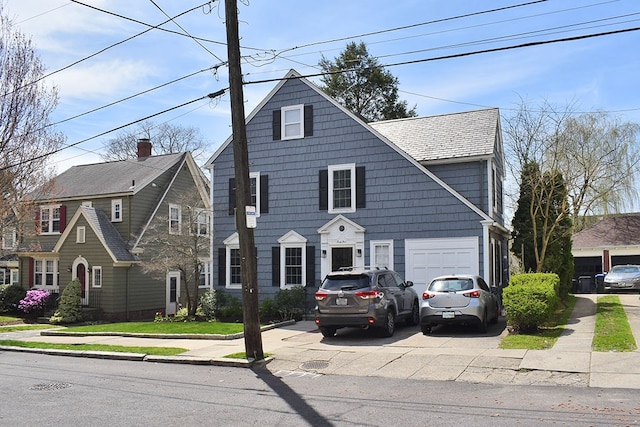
{"x": 232, "y": 196}
{"x": 323, "y": 191}
{"x": 308, "y": 120}
{"x": 264, "y": 194}
{"x": 361, "y": 193}
{"x": 276, "y": 125}
{"x": 275, "y": 266}
{"x": 222, "y": 266}
{"x": 311, "y": 266}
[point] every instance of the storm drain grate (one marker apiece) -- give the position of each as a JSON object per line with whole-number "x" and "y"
{"x": 50, "y": 386}
{"x": 315, "y": 365}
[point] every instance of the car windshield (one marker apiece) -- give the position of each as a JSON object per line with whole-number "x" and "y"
{"x": 626, "y": 269}
{"x": 451, "y": 285}
{"x": 346, "y": 283}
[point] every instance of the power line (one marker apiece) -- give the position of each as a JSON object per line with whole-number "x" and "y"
{"x": 210, "y": 96}
{"x": 101, "y": 50}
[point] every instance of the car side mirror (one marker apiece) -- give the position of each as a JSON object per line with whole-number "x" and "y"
{"x": 408, "y": 283}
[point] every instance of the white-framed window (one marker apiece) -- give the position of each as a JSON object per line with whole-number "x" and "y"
{"x": 45, "y": 273}
{"x": 96, "y": 279}
{"x": 381, "y": 253}
{"x": 49, "y": 219}
{"x": 254, "y": 200}
{"x": 9, "y": 238}
{"x": 292, "y": 124}
{"x": 116, "y": 210}
{"x": 232, "y": 256}
{"x": 293, "y": 260}
{"x": 175, "y": 219}
{"x": 205, "y": 275}
{"x": 15, "y": 276}
{"x": 200, "y": 223}
{"x": 342, "y": 188}
{"x": 80, "y": 234}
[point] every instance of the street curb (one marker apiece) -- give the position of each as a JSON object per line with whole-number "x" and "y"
{"x": 58, "y": 333}
{"x": 141, "y": 357}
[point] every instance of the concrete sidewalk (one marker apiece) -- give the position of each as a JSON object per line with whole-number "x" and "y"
{"x": 451, "y": 353}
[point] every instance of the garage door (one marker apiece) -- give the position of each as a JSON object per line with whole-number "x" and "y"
{"x": 429, "y": 258}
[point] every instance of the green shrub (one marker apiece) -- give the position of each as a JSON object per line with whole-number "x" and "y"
{"x": 230, "y": 307}
{"x": 530, "y": 300}
{"x": 10, "y": 296}
{"x": 290, "y": 303}
{"x": 268, "y": 310}
{"x": 69, "y": 310}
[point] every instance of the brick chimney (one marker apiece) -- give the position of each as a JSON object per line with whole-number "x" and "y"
{"x": 144, "y": 148}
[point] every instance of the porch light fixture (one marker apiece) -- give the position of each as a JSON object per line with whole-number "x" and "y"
{"x": 69, "y": 269}
{"x": 359, "y": 252}
{"x": 324, "y": 253}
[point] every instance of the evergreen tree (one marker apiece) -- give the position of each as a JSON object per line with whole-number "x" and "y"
{"x": 360, "y": 83}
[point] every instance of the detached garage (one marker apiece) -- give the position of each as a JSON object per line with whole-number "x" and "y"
{"x": 429, "y": 258}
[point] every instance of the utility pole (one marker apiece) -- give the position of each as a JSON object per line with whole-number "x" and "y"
{"x": 248, "y": 259}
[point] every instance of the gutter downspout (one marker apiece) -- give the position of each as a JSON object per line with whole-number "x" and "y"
{"x": 211, "y": 231}
{"x": 486, "y": 248}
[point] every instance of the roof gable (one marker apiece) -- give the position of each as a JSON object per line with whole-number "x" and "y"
{"x": 107, "y": 234}
{"x": 611, "y": 231}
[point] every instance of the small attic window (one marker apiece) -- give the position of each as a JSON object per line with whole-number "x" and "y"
{"x": 293, "y": 122}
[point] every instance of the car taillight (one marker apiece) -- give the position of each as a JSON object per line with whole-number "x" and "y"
{"x": 369, "y": 294}
{"x": 472, "y": 294}
{"x": 427, "y": 295}
{"x": 321, "y": 295}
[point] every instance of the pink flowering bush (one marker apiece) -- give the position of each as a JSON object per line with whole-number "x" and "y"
{"x": 35, "y": 302}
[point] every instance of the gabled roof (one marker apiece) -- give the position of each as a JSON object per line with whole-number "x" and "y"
{"x": 101, "y": 179}
{"x": 104, "y": 230}
{"x": 611, "y": 231}
{"x": 292, "y": 74}
{"x": 466, "y": 135}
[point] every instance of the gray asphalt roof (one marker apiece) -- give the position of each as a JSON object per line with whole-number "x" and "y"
{"x": 442, "y": 137}
{"x": 110, "y": 177}
{"x": 105, "y": 229}
{"x": 611, "y": 231}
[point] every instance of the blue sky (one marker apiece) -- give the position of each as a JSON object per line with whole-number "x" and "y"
{"x": 597, "y": 73}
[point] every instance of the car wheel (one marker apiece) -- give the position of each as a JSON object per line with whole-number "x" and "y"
{"x": 389, "y": 325}
{"x": 426, "y": 330}
{"x": 328, "y": 331}
{"x": 414, "y": 317}
{"x": 483, "y": 327}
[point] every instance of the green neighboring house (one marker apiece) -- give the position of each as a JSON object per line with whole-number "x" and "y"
{"x": 89, "y": 224}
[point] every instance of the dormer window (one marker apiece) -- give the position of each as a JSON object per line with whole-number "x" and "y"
{"x": 116, "y": 210}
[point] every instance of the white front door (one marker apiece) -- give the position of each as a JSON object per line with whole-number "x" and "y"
{"x": 429, "y": 258}
{"x": 173, "y": 292}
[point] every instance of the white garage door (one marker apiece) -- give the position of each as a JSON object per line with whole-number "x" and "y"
{"x": 429, "y": 258}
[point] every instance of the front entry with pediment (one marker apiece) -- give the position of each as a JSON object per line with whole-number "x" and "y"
{"x": 341, "y": 245}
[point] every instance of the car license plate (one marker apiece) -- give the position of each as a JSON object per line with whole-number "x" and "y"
{"x": 341, "y": 301}
{"x": 448, "y": 315}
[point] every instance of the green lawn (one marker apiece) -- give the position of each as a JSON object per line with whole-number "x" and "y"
{"x": 156, "y": 351}
{"x": 14, "y": 328}
{"x": 4, "y": 319}
{"x": 613, "y": 332}
{"x": 547, "y": 336}
{"x": 218, "y": 328}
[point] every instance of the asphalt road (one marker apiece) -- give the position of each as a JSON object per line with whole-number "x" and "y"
{"x": 49, "y": 390}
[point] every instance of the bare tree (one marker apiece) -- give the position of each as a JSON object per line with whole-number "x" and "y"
{"x": 166, "y": 138}
{"x": 26, "y": 133}
{"x": 180, "y": 243}
{"x": 597, "y": 155}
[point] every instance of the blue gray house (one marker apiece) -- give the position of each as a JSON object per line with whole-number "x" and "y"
{"x": 422, "y": 196}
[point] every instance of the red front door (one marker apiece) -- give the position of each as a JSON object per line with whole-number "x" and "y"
{"x": 82, "y": 277}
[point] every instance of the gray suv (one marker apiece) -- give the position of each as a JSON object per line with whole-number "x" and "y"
{"x": 365, "y": 297}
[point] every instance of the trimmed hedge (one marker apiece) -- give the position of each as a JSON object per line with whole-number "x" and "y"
{"x": 530, "y": 300}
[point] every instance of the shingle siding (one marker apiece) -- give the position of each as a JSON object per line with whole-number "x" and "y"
{"x": 401, "y": 200}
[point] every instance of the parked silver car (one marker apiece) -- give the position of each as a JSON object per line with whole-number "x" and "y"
{"x": 461, "y": 299}
{"x": 365, "y": 297}
{"x": 622, "y": 277}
